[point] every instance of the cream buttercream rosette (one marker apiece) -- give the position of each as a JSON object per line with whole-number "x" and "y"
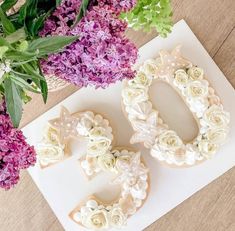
{"x": 189, "y": 81}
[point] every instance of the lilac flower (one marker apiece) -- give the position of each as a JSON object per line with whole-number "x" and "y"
{"x": 15, "y": 153}
{"x": 101, "y": 56}
{"x": 118, "y": 5}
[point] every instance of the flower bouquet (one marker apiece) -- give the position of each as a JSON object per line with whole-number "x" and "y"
{"x": 60, "y": 42}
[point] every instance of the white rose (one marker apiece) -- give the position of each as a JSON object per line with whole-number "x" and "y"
{"x": 217, "y": 136}
{"x": 98, "y": 133}
{"x": 141, "y": 80}
{"x": 97, "y": 220}
{"x": 123, "y": 162}
{"x": 85, "y": 124}
{"x": 215, "y": 117}
{"x": 169, "y": 140}
{"x": 107, "y": 162}
{"x": 49, "y": 153}
{"x": 196, "y": 89}
{"x": 51, "y": 135}
{"x": 195, "y": 73}
{"x": 98, "y": 147}
{"x": 150, "y": 67}
{"x": 132, "y": 95}
{"x": 116, "y": 218}
{"x": 207, "y": 149}
{"x": 198, "y": 106}
{"x": 180, "y": 78}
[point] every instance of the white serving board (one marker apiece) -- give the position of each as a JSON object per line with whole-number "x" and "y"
{"x": 64, "y": 185}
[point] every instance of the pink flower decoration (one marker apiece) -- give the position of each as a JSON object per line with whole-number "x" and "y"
{"x": 118, "y": 6}
{"x": 101, "y": 56}
{"x": 15, "y": 153}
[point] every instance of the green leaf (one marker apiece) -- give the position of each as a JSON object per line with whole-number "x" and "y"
{"x": 13, "y": 101}
{"x": 37, "y": 24}
{"x": 82, "y": 12}
{"x": 3, "y": 50}
{"x": 31, "y": 71}
{"x": 19, "y": 63}
{"x": 8, "y": 4}
{"x": 22, "y": 13}
{"x": 22, "y": 75}
{"x": 7, "y": 25}
{"x": 43, "y": 86}
{"x": 1, "y": 90}
{"x": 58, "y": 2}
{"x": 16, "y": 36}
{"x": 19, "y": 55}
{"x": 44, "y": 90}
{"x": 23, "y": 84}
{"x": 23, "y": 46}
{"x": 3, "y": 42}
{"x": 49, "y": 45}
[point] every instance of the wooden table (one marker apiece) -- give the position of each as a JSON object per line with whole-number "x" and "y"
{"x": 213, "y": 208}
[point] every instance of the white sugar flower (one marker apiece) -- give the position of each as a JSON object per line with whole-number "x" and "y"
{"x": 85, "y": 123}
{"x": 98, "y": 147}
{"x": 97, "y": 220}
{"x": 169, "y": 140}
{"x": 195, "y": 73}
{"x": 150, "y": 67}
{"x": 107, "y": 162}
{"x": 196, "y": 89}
{"x": 132, "y": 95}
{"x": 180, "y": 78}
{"x": 117, "y": 218}
{"x": 215, "y": 117}
{"x": 49, "y": 153}
{"x": 217, "y": 136}
{"x": 51, "y": 135}
{"x": 207, "y": 148}
{"x": 141, "y": 80}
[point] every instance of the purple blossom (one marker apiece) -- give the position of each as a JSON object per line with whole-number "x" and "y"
{"x": 15, "y": 153}
{"x": 118, "y": 6}
{"x": 101, "y": 56}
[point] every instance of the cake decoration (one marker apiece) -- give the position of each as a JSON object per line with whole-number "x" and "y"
{"x": 58, "y": 133}
{"x": 101, "y": 155}
{"x": 133, "y": 177}
{"x": 189, "y": 81}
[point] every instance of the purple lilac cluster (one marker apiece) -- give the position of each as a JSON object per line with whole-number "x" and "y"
{"x": 102, "y": 54}
{"x": 15, "y": 153}
{"x": 118, "y": 6}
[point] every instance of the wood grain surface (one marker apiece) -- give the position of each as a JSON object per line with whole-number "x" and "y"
{"x": 212, "y": 208}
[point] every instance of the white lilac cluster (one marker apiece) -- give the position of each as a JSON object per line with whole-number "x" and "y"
{"x": 149, "y": 128}
{"x": 50, "y": 150}
{"x": 133, "y": 178}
